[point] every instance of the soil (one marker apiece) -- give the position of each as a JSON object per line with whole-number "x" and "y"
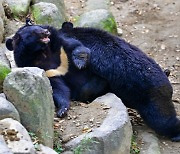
{"x": 82, "y": 118}
{"x": 154, "y": 27}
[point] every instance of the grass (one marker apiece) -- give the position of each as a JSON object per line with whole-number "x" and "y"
{"x": 35, "y": 140}
{"x": 84, "y": 145}
{"x": 134, "y": 146}
{"x": 57, "y": 143}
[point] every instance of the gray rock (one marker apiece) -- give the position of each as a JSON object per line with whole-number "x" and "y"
{"x": 12, "y": 26}
{"x": 30, "y": 92}
{"x": 119, "y": 31}
{"x": 7, "y": 110}
{"x": 47, "y": 13}
{"x": 2, "y": 95}
{"x": 59, "y": 4}
{"x": 2, "y": 17}
{"x": 15, "y": 8}
{"x": 10, "y": 57}
{"x": 1, "y": 30}
{"x": 45, "y": 150}
{"x": 3, "y": 58}
{"x": 113, "y": 136}
{"x": 151, "y": 143}
{"x": 100, "y": 18}
{"x": 3, "y": 147}
{"x": 22, "y": 143}
{"x": 2, "y": 14}
{"x": 7, "y": 57}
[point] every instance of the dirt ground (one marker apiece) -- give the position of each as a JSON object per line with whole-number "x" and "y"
{"x": 153, "y": 26}
{"x": 82, "y": 118}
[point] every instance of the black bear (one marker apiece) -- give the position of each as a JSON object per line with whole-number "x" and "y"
{"x": 97, "y": 63}
{"x": 132, "y": 76}
{"x": 43, "y": 47}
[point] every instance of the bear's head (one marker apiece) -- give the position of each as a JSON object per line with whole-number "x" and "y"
{"x": 27, "y": 43}
{"x": 29, "y": 36}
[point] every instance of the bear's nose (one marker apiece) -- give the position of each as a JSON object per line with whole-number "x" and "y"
{"x": 46, "y": 32}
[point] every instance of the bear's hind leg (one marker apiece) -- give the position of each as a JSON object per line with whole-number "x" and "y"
{"x": 166, "y": 124}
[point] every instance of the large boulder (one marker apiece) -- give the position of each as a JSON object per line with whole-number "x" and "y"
{"x": 16, "y": 8}
{"x": 16, "y": 137}
{"x": 59, "y": 4}
{"x": 45, "y": 150}
{"x": 47, "y": 13}
{"x": 99, "y": 18}
{"x": 3, "y": 146}
{"x": 7, "y": 110}
{"x": 30, "y": 92}
{"x": 114, "y": 134}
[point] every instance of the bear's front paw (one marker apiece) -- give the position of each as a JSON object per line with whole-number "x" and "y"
{"x": 80, "y": 57}
{"x": 62, "y": 112}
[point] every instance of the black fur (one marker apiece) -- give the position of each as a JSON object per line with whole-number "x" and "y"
{"x": 98, "y": 63}
{"x": 132, "y": 76}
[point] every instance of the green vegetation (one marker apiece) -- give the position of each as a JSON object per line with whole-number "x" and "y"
{"x": 134, "y": 146}
{"x": 57, "y": 143}
{"x": 58, "y": 148}
{"x": 35, "y": 140}
{"x": 3, "y": 71}
{"x": 19, "y": 11}
{"x": 84, "y": 145}
{"x": 110, "y": 25}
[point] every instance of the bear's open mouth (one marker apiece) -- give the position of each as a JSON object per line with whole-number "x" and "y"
{"x": 45, "y": 40}
{"x": 45, "y": 36}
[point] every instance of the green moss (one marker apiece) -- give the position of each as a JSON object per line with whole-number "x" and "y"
{"x": 84, "y": 145}
{"x": 3, "y": 72}
{"x": 36, "y": 14}
{"x": 39, "y": 19}
{"x": 101, "y": 19}
{"x": 43, "y": 19}
{"x": 57, "y": 143}
{"x": 110, "y": 25}
{"x": 134, "y": 149}
{"x": 19, "y": 11}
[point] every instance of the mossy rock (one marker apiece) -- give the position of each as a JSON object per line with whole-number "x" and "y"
{"x": 16, "y": 8}
{"x": 100, "y": 18}
{"x": 4, "y": 70}
{"x": 47, "y": 14}
{"x": 59, "y": 3}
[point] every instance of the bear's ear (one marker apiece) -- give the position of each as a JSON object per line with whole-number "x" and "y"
{"x": 9, "y": 44}
{"x": 67, "y": 25}
{"x": 29, "y": 22}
